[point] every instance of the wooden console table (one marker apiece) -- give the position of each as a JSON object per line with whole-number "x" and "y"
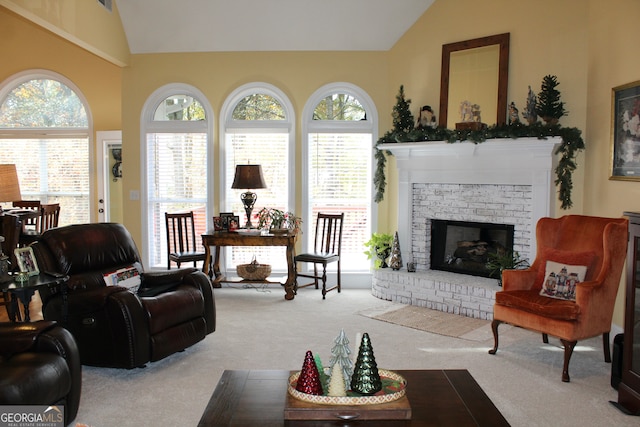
{"x": 217, "y": 239}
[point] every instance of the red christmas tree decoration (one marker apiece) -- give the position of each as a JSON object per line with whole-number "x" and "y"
{"x": 309, "y": 379}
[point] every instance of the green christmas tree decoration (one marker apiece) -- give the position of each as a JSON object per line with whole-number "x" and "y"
{"x": 340, "y": 356}
{"x": 309, "y": 379}
{"x": 402, "y": 117}
{"x": 548, "y": 105}
{"x": 402, "y": 125}
{"x": 324, "y": 379}
{"x": 366, "y": 379}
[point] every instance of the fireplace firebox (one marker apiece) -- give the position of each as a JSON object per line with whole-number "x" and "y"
{"x": 465, "y": 247}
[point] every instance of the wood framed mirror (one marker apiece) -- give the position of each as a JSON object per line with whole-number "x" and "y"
{"x": 477, "y": 71}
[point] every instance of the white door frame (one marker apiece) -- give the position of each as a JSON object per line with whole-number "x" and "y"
{"x": 105, "y": 141}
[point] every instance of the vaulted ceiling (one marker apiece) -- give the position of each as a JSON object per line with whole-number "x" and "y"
{"x": 157, "y": 26}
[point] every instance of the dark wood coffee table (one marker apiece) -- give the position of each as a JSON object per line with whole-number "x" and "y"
{"x": 437, "y": 398}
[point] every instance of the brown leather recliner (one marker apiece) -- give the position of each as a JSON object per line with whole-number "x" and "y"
{"x": 39, "y": 365}
{"x": 114, "y": 326}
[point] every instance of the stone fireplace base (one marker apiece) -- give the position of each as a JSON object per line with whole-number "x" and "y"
{"x": 461, "y": 294}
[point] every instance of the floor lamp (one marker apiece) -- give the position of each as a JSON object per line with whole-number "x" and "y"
{"x": 248, "y": 177}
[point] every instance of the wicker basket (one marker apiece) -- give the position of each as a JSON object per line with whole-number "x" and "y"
{"x": 254, "y": 271}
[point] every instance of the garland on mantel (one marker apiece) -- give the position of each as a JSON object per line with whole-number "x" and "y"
{"x": 572, "y": 143}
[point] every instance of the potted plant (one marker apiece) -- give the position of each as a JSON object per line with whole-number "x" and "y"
{"x": 379, "y": 248}
{"x": 276, "y": 219}
{"x": 498, "y": 262}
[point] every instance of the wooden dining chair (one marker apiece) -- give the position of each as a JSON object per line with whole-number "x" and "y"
{"x": 326, "y": 249}
{"x": 181, "y": 239}
{"x": 32, "y": 229}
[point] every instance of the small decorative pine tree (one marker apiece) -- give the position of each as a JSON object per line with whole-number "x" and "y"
{"x": 366, "y": 379}
{"x": 340, "y": 355}
{"x": 336, "y": 383}
{"x": 549, "y": 106}
{"x": 402, "y": 117}
{"x": 402, "y": 125}
{"x": 324, "y": 379}
{"x": 530, "y": 114}
{"x": 309, "y": 379}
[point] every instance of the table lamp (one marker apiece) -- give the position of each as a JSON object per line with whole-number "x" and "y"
{"x": 9, "y": 184}
{"x": 248, "y": 177}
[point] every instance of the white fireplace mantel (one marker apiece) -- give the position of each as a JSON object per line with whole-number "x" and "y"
{"x": 522, "y": 161}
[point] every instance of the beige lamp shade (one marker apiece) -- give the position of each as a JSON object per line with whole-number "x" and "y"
{"x": 9, "y": 184}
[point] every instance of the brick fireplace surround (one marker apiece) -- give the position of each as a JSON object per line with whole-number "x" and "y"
{"x": 506, "y": 181}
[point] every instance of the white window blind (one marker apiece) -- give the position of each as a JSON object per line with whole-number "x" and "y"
{"x": 339, "y": 180}
{"x": 47, "y": 172}
{"x": 271, "y": 150}
{"x": 176, "y": 182}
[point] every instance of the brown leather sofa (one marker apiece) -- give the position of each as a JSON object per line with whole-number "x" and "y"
{"x": 114, "y": 326}
{"x": 39, "y": 365}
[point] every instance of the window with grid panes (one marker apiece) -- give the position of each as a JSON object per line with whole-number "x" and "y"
{"x": 42, "y": 120}
{"x": 338, "y": 172}
{"x": 258, "y": 130}
{"x": 176, "y": 169}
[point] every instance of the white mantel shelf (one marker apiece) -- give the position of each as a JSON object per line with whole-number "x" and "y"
{"x": 521, "y": 161}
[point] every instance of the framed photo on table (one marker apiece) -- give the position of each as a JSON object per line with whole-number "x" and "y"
{"x": 27, "y": 261}
{"x": 234, "y": 223}
{"x": 217, "y": 223}
{"x": 625, "y": 132}
{"x": 226, "y": 217}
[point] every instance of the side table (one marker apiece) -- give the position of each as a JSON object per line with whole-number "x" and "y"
{"x": 24, "y": 291}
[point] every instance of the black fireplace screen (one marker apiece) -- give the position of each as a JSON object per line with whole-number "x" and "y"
{"x": 464, "y": 247}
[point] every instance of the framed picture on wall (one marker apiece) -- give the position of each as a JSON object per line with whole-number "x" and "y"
{"x": 625, "y": 132}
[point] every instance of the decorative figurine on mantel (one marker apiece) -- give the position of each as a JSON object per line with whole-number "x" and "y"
{"x": 470, "y": 117}
{"x": 396, "y": 257}
{"x": 513, "y": 114}
{"x": 426, "y": 118}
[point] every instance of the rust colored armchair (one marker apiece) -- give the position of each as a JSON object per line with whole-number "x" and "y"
{"x": 554, "y": 299}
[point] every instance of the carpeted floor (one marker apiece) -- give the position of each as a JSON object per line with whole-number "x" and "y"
{"x": 257, "y": 330}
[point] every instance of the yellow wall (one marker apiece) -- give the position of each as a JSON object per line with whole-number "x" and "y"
{"x": 84, "y": 22}
{"x": 216, "y": 75}
{"x": 26, "y": 47}
{"x": 586, "y": 44}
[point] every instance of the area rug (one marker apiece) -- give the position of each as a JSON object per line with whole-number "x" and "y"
{"x": 433, "y": 321}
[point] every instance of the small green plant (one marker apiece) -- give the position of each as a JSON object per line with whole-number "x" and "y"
{"x": 498, "y": 262}
{"x": 379, "y": 249}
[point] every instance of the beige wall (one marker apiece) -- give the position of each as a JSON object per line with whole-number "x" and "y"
{"x": 586, "y": 44}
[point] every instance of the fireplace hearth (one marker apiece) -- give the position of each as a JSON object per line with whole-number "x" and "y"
{"x": 465, "y": 247}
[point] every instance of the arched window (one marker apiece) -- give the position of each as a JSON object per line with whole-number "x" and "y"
{"x": 340, "y": 124}
{"x": 45, "y": 132}
{"x": 258, "y": 129}
{"x": 177, "y": 126}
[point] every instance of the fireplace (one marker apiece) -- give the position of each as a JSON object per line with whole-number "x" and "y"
{"x": 465, "y": 247}
{"x": 509, "y": 182}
